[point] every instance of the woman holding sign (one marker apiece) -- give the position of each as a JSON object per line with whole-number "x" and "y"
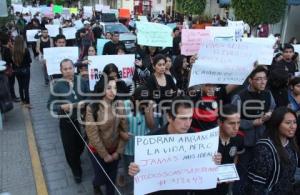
{"x": 275, "y": 159}
{"x": 105, "y": 125}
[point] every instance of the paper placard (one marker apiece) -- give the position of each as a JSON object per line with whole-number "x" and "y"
{"x": 30, "y": 34}
{"x": 264, "y": 48}
{"x": 17, "y": 8}
{"x": 172, "y": 25}
{"x": 69, "y": 32}
{"x": 221, "y": 33}
{"x": 78, "y": 24}
{"x": 191, "y": 40}
{"x": 176, "y": 161}
{"x": 125, "y": 64}
{"x": 143, "y": 18}
{"x": 55, "y": 55}
{"x": 98, "y": 7}
{"x": 53, "y": 29}
{"x": 223, "y": 62}
{"x": 227, "y": 173}
{"x": 297, "y": 48}
{"x": 239, "y": 28}
{"x": 88, "y": 11}
{"x": 154, "y": 34}
{"x": 100, "y": 45}
{"x": 73, "y": 10}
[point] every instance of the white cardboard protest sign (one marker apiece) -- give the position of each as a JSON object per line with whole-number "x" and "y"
{"x": 221, "y": 33}
{"x": 17, "y": 8}
{"x": 264, "y": 48}
{"x": 223, "y": 62}
{"x": 125, "y": 64}
{"x": 30, "y": 35}
{"x": 239, "y": 28}
{"x": 69, "y": 32}
{"x": 176, "y": 161}
{"x": 297, "y": 48}
{"x": 55, "y": 55}
{"x": 98, "y": 7}
{"x": 78, "y": 24}
{"x": 53, "y": 29}
{"x": 88, "y": 11}
{"x": 154, "y": 34}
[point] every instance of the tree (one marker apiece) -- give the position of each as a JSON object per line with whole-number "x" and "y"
{"x": 256, "y": 12}
{"x": 195, "y": 7}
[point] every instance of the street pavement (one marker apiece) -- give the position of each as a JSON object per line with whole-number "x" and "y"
{"x": 58, "y": 175}
{"x": 16, "y": 173}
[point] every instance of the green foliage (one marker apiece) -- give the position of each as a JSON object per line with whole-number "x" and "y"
{"x": 256, "y": 12}
{"x": 195, "y": 7}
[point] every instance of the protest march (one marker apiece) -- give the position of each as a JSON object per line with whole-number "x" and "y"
{"x": 151, "y": 103}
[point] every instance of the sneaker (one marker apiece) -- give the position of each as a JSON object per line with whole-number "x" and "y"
{"x": 16, "y": 99}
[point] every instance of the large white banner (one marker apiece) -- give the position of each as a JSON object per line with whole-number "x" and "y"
{"x": 125, "y": 64}
{"x": 53, "y": 29}
{"x": 264, "y": 48}
{"x": 176, "y": 161}
{"x": 55, "y": 55}
{"x": 223, "y": 62}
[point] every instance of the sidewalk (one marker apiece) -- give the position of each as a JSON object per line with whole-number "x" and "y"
{"x": 16, "y": 173}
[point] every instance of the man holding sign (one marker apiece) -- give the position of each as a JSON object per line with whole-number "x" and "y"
{"x": 179, "y": 122}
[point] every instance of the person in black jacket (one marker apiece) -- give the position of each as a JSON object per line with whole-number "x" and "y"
{"x": 110, "y": 48}
{"x": 21, "y": 66}
{"x": 273, "y": 167}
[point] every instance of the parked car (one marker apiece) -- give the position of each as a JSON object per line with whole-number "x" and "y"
{"x": 126, "y": 36}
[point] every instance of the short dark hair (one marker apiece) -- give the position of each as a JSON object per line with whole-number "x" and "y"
{"x": 44, "y": 28}
{"x": 258, "y": 69}
{"x": 176, "y": 28}
{"x": 179, "y": 101}
{"x": 288, "y": 46}
{"x": 116, "y": 33}
{"x": 66, "y": 60}
{"x": 227, "y": 109}
{"x": 60, "y": 36}
{"x": 294, "y": 81}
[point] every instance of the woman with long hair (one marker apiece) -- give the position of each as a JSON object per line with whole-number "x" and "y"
{"x": 161, "y": 87}
{"x": 21, "y": 66}
{"x": 105, "y": 125}
{"x": 275, "y": 159}
{"x": 180, "y": 71}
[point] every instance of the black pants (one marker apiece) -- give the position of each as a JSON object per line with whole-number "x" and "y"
{"x": 100, "y": 178}
{"x": 11, "y": 81}
{"x": 23, "y": 77}
{"x": 72, "y": 143}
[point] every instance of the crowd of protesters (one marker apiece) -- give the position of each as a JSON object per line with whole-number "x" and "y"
{"x": 262, "y": 140}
